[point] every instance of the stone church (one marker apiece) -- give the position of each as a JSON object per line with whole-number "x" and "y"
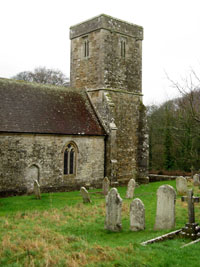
{"x": 68, "y": 137}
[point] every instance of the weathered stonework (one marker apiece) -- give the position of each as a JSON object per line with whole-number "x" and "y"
{"x": 85, "y": 195}
{"x": 130, "y": 148}
{"x": 113, "y": 211}
{"x": 137, "y": 215}
{"x": 113, "y": 83}
{"x": 23, "y": 154}
{"x": 105, "y": 67}
{"x": 196, "y": 179}
{"x": 37, "y": 191}
{"x": 181, "y": 185}
{"x": 130, "y": 189}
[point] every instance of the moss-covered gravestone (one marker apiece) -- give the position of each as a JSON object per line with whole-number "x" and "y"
{"x": 181, "y": 185}
{"x": 130, "y": 188}
{"x": 113, "y": 211}
{"x": 196, "y": 179}
{"x": 36, "y": 189}
{"x": 137, "y": 215}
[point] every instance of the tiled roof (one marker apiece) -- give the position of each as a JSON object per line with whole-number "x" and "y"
{"x": 34, "y": 108}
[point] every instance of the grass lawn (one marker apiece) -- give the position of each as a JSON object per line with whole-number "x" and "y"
{"x": 59, "y": 230}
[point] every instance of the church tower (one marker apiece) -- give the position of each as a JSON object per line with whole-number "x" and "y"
{"x": 106, "y": 61}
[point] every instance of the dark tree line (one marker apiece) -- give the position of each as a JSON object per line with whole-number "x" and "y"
{"x": 174, "y": 131}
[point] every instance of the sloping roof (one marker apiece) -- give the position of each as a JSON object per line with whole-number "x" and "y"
{"x": 35, "y": 108}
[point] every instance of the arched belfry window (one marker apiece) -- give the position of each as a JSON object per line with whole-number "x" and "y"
{"x": 70, "y": 155}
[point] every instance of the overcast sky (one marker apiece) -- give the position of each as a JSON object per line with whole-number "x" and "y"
{"x": 35, "y": 33}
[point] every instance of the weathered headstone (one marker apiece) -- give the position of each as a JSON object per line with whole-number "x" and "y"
{"x": 181, "y": 185}
{"x": 113, "y": 211}
{"x": 85, "y": 195}
{"x": 137, "y": 215}
{"x": 191, "y": 229}
{"x": 105, "y": 186}
{"x": 130, "y": 188}
{"x": 36, "y": 189}
{"x": 32, "y": 174}
{"x": 196, "y": 179}
{"x": 190, "y": 200}
{"x": 165, "y": 213}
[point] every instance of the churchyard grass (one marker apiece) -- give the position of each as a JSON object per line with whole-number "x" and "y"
{"x": 59, "y": 230}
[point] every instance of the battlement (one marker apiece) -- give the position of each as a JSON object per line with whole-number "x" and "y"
{"x": 108, "y": 23}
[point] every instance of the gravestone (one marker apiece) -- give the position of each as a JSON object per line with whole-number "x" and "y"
{"x": 32, "y": 174}
{"x": 113, "y": 211}
{"x": 137, "y": 215}
{"x": 181, "y": 185}
{"x": 105, "y": 186}
{"x": 165, "y": 213}
{"x": 196, "y": 180}
{"x": 36, "y": 189}
{"x": 130, "y": 188}
{"x": 85, "y": 195}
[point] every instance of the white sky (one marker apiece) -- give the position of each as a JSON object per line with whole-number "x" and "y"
{"x": 35, "y": 33}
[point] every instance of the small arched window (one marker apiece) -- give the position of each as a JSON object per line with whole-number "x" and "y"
{"x": 70, "y": 159}
{"x": 86, "y": 44}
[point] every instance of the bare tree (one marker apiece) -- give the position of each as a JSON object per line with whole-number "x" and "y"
{"x": 24, "y": 76}
{"x": 189, "y": 90}
{"x": 43, "y": 75}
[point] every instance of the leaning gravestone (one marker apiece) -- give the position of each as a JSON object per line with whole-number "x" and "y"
{"x": 130, "y": 189}
{"x": 165, "y": 213}
{"x": 105, "y": 186}
{"x": 137, "y": 215}
{"x": 181, "y": 185}
{"x": 113, "y": 211}
{"x": 196, "y": 180}
{"x": 36, "y": 189}
{"x": 85, "y": 195}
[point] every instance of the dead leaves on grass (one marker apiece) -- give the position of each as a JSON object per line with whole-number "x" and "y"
{"x": 31, "y": 238}
{"x": 50, "y": 249}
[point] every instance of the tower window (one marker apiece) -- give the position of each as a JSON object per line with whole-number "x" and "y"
{"x": 86, "y": 47}
{"x": 70, "y": 154}
{"x": 123, "y": 48}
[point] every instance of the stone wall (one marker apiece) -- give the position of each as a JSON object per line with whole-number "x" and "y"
{"x": 84, "y": 70}
{"x": 25, "y": 157}
{"x": 130, "y": 149}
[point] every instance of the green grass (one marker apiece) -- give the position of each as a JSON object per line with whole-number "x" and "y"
{"x": 59, "y": 230}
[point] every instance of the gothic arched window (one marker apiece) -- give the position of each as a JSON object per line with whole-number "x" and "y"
{"x": 70, "y": 153}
